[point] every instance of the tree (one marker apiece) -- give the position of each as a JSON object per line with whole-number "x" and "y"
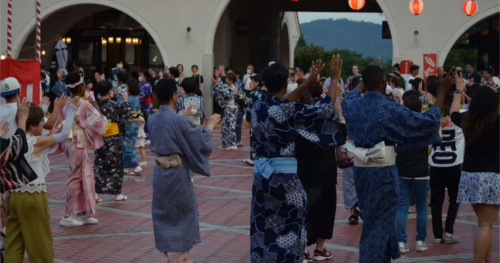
{"x": 301, "y": 43}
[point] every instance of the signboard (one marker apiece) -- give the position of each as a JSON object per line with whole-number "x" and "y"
{"x": 405, "y": 66}
{"x": 430, "y": 63}
{"x": 27, "y": 72}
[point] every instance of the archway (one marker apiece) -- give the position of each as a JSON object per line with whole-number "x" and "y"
{"x": 478, "y": 42}
{"x": 59, "y": 18}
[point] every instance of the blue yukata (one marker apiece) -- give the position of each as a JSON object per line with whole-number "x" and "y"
{"x": 174, "y": 206}
{"x": 131, "y": 133}
{"x": 279, "y": 202}
{"x": 371, "y": 119}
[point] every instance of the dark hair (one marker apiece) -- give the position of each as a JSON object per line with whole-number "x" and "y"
{"x": 133, "y": 87}
{"x": 257, "y": 78}
{"x": 189, "y": 85}
{"x": 373, "y": 77}
{"x": 300, "y": 81}
{"x": 35, "y": 116}
{"x": 88, "y": 81}
{"x": 238, "y": 73}
{"x": 481, "y": 116}
{"x": 181, "y": 66}
{"x": 231, "y": 76}
{"x": 433, "y": 85}
{"x": 174, "y": 72}
{"x": 472, "y": 89}
{"x": 119, "y": 60}
{"x": 396, "y": 66}
{"x": 77, "y": 62}
{"x": 413, "y": 103}
{"x": 354, "y": 82}
{"x": 316, "y": 90}
{"x": 416, "y": 82}
{"x": 194, "y": 66}
{"x": 73, "y": 78}
{"x": 410, "y": 93}
{"x": 134, "y": 75}
{"x": 489, "y": 71}
{"x": 103, "y": 87}
{"x": 414, "y": 67}
{"x": 122, "y": 76}
{"x": 42, "y": 67}
{"x": 306, "y": 98}
{"x": 469, "y": 63}
{"x": 275, "y": 78}
{"x": 302, "y": 67}
{"x": 43, "y": 76}
{"x": 146, "y": 74}
{"x": 165, "y": 90}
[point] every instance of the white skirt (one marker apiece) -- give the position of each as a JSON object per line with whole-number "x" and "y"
{"x": 479, "y": 188}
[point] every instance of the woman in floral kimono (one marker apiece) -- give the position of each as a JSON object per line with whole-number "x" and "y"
{"x": 132, "y": 128}
{"x": 225, "y": 98}
{"x": 88, "y": 126}
{"x": 108, "y": 165}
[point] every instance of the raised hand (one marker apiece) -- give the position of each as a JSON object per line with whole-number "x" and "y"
{"x": 445, "y": 121}
{"x": 23, "y": 110}
{"x": 187, "y": 111}
{"x": 316, "y": 68}
{"x": 214, "y": 119}
{"x": 459, "y": 82}
{"x": 336, "y": 68}
{"x": 375, "y": 61}
{"x": 448, "y": 81}
{"x": 45, "y": 102}
{"x": 4, "y": 128}
{"x": 60, "y": 102}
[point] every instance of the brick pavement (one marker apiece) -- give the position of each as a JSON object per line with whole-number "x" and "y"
{"x": 125, "y": 232}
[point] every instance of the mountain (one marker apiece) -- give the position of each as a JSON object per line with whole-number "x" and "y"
{"x": 361, "y": 37}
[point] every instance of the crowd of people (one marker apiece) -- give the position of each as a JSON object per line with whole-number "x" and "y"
{"x": 393, "y": 139}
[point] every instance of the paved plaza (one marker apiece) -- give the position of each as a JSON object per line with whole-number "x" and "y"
{"x": 125, "y": 232}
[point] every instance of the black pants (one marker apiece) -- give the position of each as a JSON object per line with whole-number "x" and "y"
{"x": 441, "y": 178}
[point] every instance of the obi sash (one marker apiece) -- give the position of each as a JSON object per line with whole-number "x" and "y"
{"x": 377, "y": 156}
{"x": 265, "y": 167}
{"x": 111, "y": 129}
{"x": 173, "y": 161}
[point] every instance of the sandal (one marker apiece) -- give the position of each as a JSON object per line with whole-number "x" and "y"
{"x": 357, "y": 212}
{"x": 353, "y": 220}
{"x": 307, "y": 257}
{"x": 121, "y": 198}
{"x": 322, "y": 255}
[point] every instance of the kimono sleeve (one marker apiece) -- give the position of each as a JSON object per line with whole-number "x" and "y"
{"x": 125, "y": 112}
{"x": 413, "y": 129}
{"x": 91, "y": 120}
{"x": 13, "y": 147}
{"x": 196, "y": 145}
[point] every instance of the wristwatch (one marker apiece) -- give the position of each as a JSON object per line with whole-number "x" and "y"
{"x": 457, "y": 91}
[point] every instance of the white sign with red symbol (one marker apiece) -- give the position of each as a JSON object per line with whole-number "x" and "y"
{"x": 430, "y": 63}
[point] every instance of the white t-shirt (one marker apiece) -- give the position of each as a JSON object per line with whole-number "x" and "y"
{"x": 408, "y": 84}
{"x": 8, "y": 113}
{"x": 451, "y": 150}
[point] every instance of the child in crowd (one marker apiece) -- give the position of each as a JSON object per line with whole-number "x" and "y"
{"x": 190, "y": 102}
{"x": 141, "y": 142}
{"x": 89, "y": 93}
{"x": 225, "y": 98}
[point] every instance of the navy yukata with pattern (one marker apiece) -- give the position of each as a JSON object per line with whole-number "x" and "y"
{"x": 279, "y": 204}
{"x": 370, "y": 119}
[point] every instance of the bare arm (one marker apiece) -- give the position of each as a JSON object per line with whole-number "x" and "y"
{"x": 457, "y": 99}
{"x": 335, "y": 71}
{"x": 59, "y": 103}
{"x": 316, "y": 68}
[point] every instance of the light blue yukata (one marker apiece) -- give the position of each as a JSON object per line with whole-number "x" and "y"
{"x": 371, "y": 119}
{"x": 174, "y": 206}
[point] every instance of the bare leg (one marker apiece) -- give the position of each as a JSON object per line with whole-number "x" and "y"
{"x": 184, "y": 258}
{"x": 486, "y": 215}
{"x": 320, "y": 244}
{"x": 489, "y": 252}
{"x": 143, "y": 153}
{"x": 164, "y": 257}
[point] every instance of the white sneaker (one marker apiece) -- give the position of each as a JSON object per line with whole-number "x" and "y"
{"x": 421, "y": 246}
{"x": 232, "y": 148}
{"x": 121, "y": 197}
{"x": 125, "y": 171}
{"x": 137, "y": 171}
{"x": 143, "y": 164}
{"x": 88, "y": 221}
{"x": 403, "y": 248}
{"x": 146, "y": 142}
{"x": 69, "y": 221}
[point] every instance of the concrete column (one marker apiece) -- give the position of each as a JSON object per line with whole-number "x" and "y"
{"x": 207, "y": 67}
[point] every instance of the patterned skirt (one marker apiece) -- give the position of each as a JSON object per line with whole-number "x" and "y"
{"x": 479, "y": 188}
{"x": 278, "y": 219}
{"x": 108, "y": 166}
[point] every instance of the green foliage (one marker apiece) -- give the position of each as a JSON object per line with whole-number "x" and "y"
{"x": 305, "y": 55}
{"x": 301, "y": 43}
{"x": 458, "y": 57}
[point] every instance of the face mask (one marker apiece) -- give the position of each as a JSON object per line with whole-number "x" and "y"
{"x": 248, "y": 71}
{"x": 120, "y": 66}
{"x": 140, "y": 79}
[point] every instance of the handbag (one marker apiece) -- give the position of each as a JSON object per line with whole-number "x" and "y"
{"x": 344, "y": 158}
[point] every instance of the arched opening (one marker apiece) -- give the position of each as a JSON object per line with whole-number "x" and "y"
{"x": 477, "y": 44}
{"x": 96, "y": 34}
{"x": 284, "y": 46}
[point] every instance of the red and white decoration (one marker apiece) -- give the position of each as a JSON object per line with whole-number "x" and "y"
{"x": 357, "y": 4}
{"x": 38, "y": 31}
{"x": 470, "y": 7}
{"x": 416, "y": 7}
{"x": 9, "y": 28}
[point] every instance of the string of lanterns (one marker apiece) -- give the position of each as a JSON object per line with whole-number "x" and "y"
{"x": 416, "y": 6}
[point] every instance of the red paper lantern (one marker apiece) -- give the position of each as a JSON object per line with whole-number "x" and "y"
{"x": 357, "y": 4}
{"x": 470, "y": 7}
{"x": 416, "y": 7}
